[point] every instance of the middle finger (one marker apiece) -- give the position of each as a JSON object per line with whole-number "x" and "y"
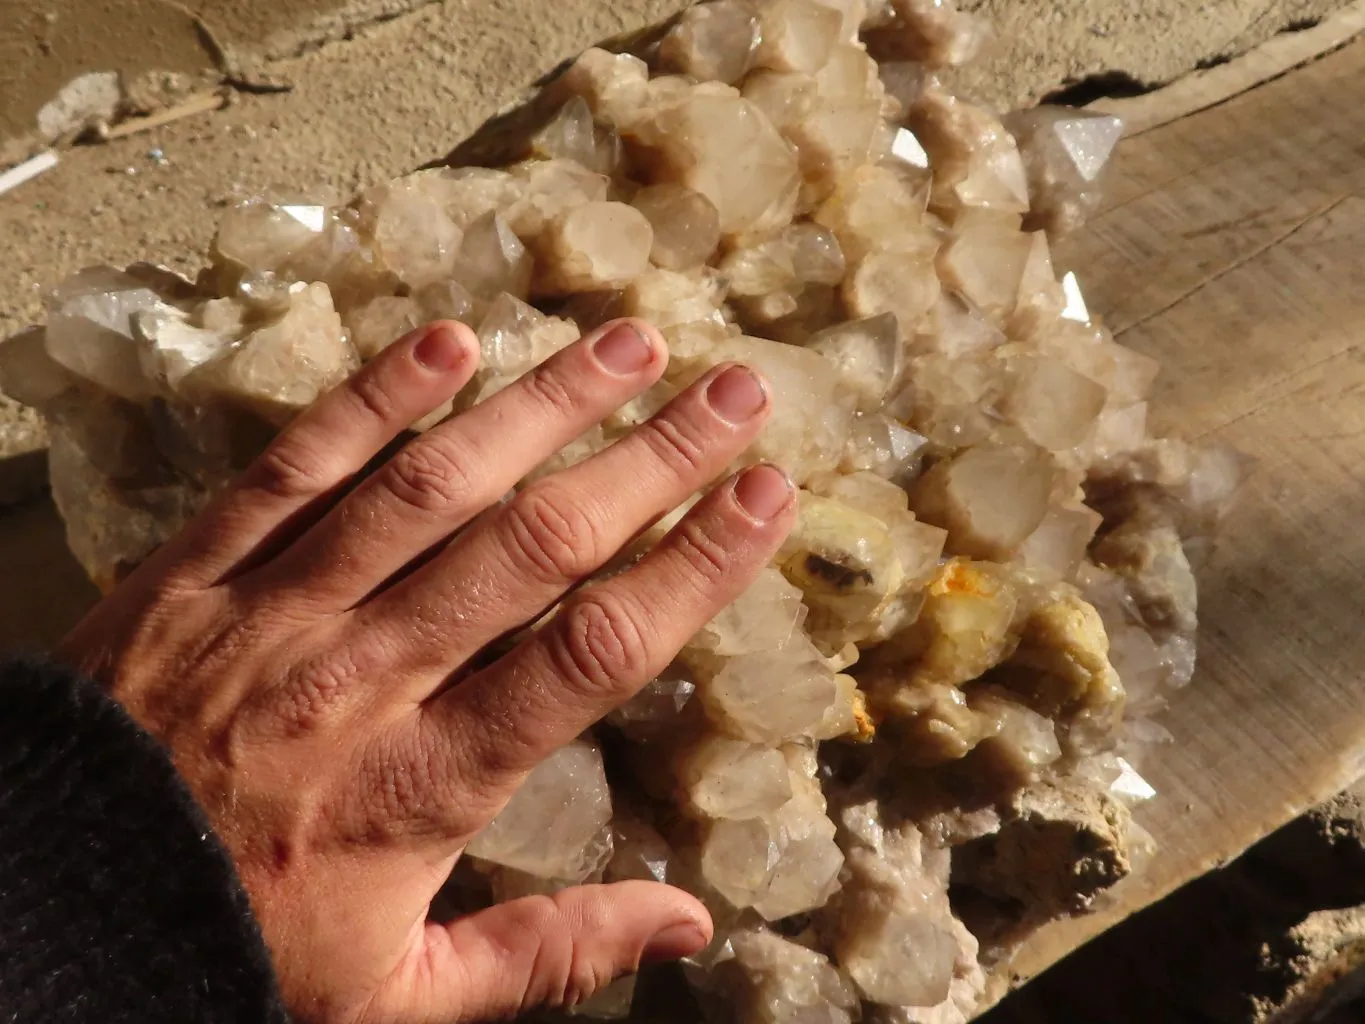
{"x": 508, "y": 567}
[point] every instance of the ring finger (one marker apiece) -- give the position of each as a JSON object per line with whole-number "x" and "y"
{"x": 481, "y": 737}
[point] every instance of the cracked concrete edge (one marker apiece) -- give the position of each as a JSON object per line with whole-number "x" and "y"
{"x": 1211, "y": 86}
{"x": 1276, "y": 936}
{"x": 1047, "y": 45}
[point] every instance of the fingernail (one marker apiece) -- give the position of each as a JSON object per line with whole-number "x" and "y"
{"x": 623, "y": 350}
{"x": 763, "y": 492}
{"x": 439, "y": 350}
{"x": 737, "y": 394}
{"x": 673, "y": 943}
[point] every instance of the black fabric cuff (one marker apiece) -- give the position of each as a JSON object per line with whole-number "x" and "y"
{"x": 117, "y": 901}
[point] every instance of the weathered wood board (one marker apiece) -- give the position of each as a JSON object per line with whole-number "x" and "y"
{"x": 1232, "y": 248}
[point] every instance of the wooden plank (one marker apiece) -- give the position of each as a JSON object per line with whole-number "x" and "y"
{"x": 1232, "y": 251}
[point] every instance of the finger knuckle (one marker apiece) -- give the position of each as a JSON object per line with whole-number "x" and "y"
{"x": 397, "y": 791}
{"x": 564, "y": 971}
{"x": 546, "y": 385}
{"x": 536, "y": 917}
{"x": 680, "y": 443}
{"x": 171, "y": 594}
{"x": 534, "y": 934}
{"x": 553, "y": 535}
{"x": 602, "y": 652}
{"x": 371, "y": 396}
{"x": 292, "y": 469}
{"x": 433, "y": 475}
{"x": 586, "y": 977}
{"x": 312, "y": 692}
{"x": 708, "y": 559}
{"x": 469, "y": 769}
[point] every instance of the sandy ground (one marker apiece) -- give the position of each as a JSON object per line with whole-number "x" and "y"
{"x": 161, "y": 45}
{"x": 399, "y": 92}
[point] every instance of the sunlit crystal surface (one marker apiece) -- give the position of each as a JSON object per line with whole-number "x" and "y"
{"x": 987, "y": 590}
{"x": 1065, "y": 152}
{"x": 554, "y": 827}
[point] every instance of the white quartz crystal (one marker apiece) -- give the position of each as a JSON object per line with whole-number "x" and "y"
{"x": 780, "y": 982}
{"x": 558, "y": 823}
{"x": 492, "y": 260}
{"x": 594, "y": 247}
{"x": 987, "y": 588}
{"x": 573, "y": 134}
{"x": 778, "y": 696}
{"x": 725, "y": 778}
{"x": 413, "y": 236}
{"x": 713, "y": 41}
{"x": 686, "y": 225}
{"x": 90, "y": 329}
{"x": 725, "y": 148}
{"x": 977, "y": 161}
{"x": 1065, "y": 153}
{"x": 895, "y": 933}
{"x": 284, "y": 365}
{"x": 988, "y": 498}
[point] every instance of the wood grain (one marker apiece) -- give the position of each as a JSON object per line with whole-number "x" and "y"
{"x": 1233, "y": 249}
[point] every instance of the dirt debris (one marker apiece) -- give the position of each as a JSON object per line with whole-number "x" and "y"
{"x": 1276, "y": 937}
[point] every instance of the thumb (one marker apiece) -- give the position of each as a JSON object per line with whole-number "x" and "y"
{"x": 542, "y": 951}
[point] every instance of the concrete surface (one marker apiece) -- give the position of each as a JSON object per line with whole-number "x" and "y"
{"x": 163, "y": 48}
{"x": 1048, "y": 44}
{"x": 160, "y": 48}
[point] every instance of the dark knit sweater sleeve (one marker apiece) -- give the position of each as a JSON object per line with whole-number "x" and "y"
{"x": 117, "y": 901}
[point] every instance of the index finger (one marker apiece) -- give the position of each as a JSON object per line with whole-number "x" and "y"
{"x": 322, "y": 449}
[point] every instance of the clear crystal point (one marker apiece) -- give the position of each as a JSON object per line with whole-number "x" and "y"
{"x": 986, "y": 591}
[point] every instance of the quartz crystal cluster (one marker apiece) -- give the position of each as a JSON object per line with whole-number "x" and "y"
{"x": 941, "y": 676}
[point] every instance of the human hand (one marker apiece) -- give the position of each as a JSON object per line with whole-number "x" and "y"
{"x": 303, "y": 650}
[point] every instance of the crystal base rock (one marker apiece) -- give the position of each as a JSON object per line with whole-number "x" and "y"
{"x": 949, "y": 665}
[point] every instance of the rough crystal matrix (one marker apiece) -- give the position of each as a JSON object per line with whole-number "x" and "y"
{"x": 944, "y": 667}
